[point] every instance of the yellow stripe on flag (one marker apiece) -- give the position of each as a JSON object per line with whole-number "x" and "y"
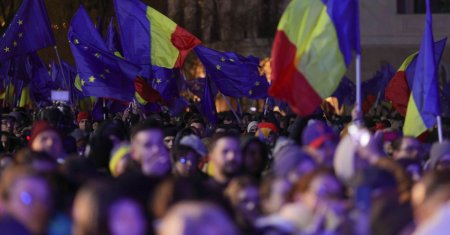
{"x": 164, "y": 53}
{"x": 318, "y": 55}
{"x": 414, "y": 125}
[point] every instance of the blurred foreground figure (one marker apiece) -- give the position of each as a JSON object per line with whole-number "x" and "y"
{"x": 194, "y": 218}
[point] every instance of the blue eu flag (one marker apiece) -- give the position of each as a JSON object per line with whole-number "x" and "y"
{"x": 28, "y": 31}
{"x": 233, "y": 74}
{"x": 102, "y": 74}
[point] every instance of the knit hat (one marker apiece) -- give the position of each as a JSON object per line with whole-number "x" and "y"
{"x": 251, "y": 125}
{"x": 316, "y": 133}
{"x": 38, "y": 128}
{"x": 117, "y": 154}
{"x": 437, "y": 151}
{"x": 195, "y": 143}
{"x": 83, "y": 115}
{"x": 287, "y": 156}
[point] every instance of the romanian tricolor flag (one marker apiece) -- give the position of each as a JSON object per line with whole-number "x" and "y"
{"x": 149, "y": 37}
{"x": 424, "y": 105}
{"x": 399, "y": 88}
{"x": 312, "y": 49}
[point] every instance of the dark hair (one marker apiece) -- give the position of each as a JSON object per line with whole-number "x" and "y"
{"x": 149, "y": 124}
{"x": 216, "y": 137}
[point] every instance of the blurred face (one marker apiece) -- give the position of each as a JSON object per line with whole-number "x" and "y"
{"x": 148, "y": 148}
{"x": 187, "y": 165}
{"x": 95, "y": 125}
{"x": 226, "y": 156}
{"x": 168, "y": 141}
{"x": 409, "y": 148}
{"x": 85, "y": 125}
{"x": 198, "y": 128}
{"x": 249, "y": 202}
{"x": 253, "y": 158}
{"x": 83, "y": 212}
{"x": 7, "y": 125}
{"x": 126, "y": 218}
{"x": 30, "y": 203}
{"x": 49, "y": 142}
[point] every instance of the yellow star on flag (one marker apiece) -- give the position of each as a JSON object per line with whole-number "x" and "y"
{"x": 15, "y": 44}
{"x": 256, "y": 83}
{"x": 250, "y": 92}
{"x": 218, "y": 67}
{"x": 158, "y": 80}
{"x": 20, "y": 22}
{"x": 20, "y": 35}
{"x": 231, "y": 60}
{"x": 102, "y": 76}
{"x": 82, "y": 82}
{"x": 76, "y": 42}
{"x": 6, "y": 49}
{"x": 222, "y": 59}
{"x": 97, "y": 55}
{"x": 107, "y": 71}
{"x": 91, "y": 79}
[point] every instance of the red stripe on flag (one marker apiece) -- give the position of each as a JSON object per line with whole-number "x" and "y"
{"x": 184, "y": 42}
{"x": 398, "y": 92}
{"x": 146, "y": 91}
{"x": 288, "y": 83}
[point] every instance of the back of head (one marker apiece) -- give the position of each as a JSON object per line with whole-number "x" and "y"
{"x": 192, "y": 218}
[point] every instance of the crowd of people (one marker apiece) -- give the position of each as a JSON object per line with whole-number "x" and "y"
{"x": 61, "y": 172}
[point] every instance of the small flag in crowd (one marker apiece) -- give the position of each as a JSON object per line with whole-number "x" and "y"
{"x": 102, "y": 74}
{"x": 234, "y": 75}
{"x": 29, "y": 31}
{"x": 423, "y": 105}
{"x": 312, "y": 49}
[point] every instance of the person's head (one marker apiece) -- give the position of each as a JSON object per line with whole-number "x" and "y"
{"x": 430, "y": 194}
{"x": 192, "y": 218}
{"x": 255, "y": 157}
{"x": 243, "y": 193}
{"x": 252, "y": 127}
{"x": 187, "y": 154}
{"x": 320, "y": 138}
{"x": 319, "y": 186}
{"x": 169, "y": 136}
{"x": 407, "y": 147}
{"x": 267, "y": 133}
{"x": 120, "y": 156}
{"x": 126, "y": 217}
{"x": 440, "y": 156}
{"x": 84, "y": 121}
{"x": 45, "y": 138}
{"x": 225, "y": 156}
{"x": 89, "y": 213}
{"x": 7, "y": 124}
{"x": 27, "y": 197}
{"x": 148, "y": 148}
{"x": 198, "y": 126}
{"x": 39, "y": 161}
{"x": 291, "y": 162}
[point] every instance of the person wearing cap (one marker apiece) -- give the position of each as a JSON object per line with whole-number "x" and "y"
{"x": 120, "y": 156}
{"x": 45, "y": 138}
{"x": 320, "y": 141}
{"x": 169, "y": 136}
{"x": 252, "y": 127}
{"x": 84, "y": 122}
{"x": 267, "y": 133}
{"x": 439, "y": 156}
{"x": 187, "y": 155}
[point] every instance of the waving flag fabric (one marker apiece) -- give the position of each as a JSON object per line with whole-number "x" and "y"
{"x": 234, "y": 75}
{"x": 149, "y": 37}
{"x": 29, "y": 31}
{"x": 112, "y": 39}
{"x": 312, "y": 49}
{"x": 423, "y": 105}
{"x": 399, "y": 88}
{"x": 102, "y": 74}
